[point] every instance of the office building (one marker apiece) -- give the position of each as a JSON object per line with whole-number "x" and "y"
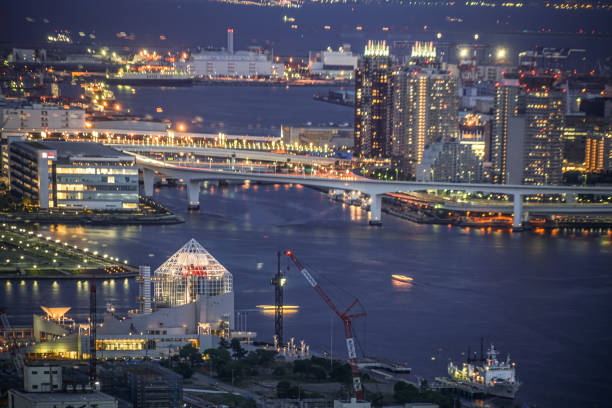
{"x": 44, "y": 388}
{"x": 425, "y": 111}
{"x": 38, "y": 117}
{"x": 373, "y": 103}
{"x": 144, "y": 385}
{"x": 77, "y": 175}
{"x": 340, "y": 64}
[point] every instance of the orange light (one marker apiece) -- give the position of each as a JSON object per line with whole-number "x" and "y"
{"x": 181, "y": 127}
{"x": 117, "y": 107}
{"x": 88, "y": 125}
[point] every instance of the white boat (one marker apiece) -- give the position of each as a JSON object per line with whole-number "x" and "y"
{"x": 493, "y": 377}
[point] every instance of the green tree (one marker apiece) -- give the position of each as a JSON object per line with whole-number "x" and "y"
{"x": 404, "y": 392}
{"x": 191, "y": 354}
{"x": 238, "y": 351}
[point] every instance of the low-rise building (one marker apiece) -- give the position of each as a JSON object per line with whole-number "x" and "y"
{"x": 54, "y": 174}
{"x": 39, "y": 117}
{"x": 340, "y": 64}
{"x": 18, "y": 399}
{"x": 317, "y": 136}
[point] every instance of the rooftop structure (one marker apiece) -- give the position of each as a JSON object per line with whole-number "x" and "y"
{"x": 191, "y": 272}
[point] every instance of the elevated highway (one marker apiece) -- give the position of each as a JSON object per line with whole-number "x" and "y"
{"x": 193, "y": 175}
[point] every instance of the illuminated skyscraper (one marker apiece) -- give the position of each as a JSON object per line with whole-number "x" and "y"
{"x": 505, "y": 126}
{"x": 527, "y": 133}
{"x": 425, "y": 111}
{"x": 544, "y": 114}
{"x": 373, "y": 102}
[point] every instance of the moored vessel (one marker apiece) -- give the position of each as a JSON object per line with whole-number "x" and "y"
{"x": 493, "y": 377}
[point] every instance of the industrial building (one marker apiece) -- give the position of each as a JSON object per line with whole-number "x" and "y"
{"x": 194, "y": 304}
{"x": 55, "y": 174}
{"x": 37, "y": 117}
{"x": 230, "y": 63}
{"x": 331, "y": 64}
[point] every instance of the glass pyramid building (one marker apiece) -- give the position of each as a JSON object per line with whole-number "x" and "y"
{"x": 191, "y": 272}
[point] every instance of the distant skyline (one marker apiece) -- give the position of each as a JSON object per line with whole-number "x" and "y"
{"x": 193, "y": 23}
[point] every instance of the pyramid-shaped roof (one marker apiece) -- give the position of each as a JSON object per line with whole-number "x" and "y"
{"x": 192, "y": 259}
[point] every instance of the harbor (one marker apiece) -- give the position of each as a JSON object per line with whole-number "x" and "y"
{"x": 435, "y": 294}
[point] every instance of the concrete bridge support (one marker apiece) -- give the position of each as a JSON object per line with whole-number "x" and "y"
{"x": 376, "y": 209}
{"x": 517, "y": 220}
{"x": 193, "y": 194}
{"x": 147, "y": 176}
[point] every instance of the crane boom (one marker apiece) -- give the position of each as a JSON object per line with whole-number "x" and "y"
{"x": 346, "y": 319}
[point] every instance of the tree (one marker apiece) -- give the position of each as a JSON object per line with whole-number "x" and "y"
{"x": 238, "y": 351}
{"x": 404, "y": 392}
{"x": 191, "y": 353}
{"x": 223, "y": 343}
{"x": 219, "y": 357}
{"x": 184, "y": 369}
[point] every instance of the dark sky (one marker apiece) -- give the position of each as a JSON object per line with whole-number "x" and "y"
{"x": 202, "y": 23}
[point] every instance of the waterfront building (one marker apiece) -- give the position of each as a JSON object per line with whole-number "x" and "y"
{"x": 450, "y": 161}
{"x": 194, "y": 304}
{"x": 332, "y": 64}
{"x": 56, "y": 174}
{"x": 317, "y": 136}
{"x": 230, "y": 63}
{"x": 38, "y": 117}
{"x": 425, "y": 111}
{"x": 373, "y": 103}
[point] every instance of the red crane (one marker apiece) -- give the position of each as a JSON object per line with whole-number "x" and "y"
{"x": 346, "y": 319}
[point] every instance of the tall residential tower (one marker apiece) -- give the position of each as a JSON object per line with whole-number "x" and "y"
{"x": 373, "y": 103}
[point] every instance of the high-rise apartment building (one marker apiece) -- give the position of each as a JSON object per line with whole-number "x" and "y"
{"x": 544, "y": 115}
{"x": 425, "y": 111}
{"x": 373, "y": 103}
{"x": 507, "y": 101}
{"x": 598, "y": 149}
{"x": 527, "y": 133}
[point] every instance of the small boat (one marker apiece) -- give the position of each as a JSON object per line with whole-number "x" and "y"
{"x": 272, "y": 307}
{"x": 402, "y": 278}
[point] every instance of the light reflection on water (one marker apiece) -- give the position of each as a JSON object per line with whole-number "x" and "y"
{"x": 536, "y": 295}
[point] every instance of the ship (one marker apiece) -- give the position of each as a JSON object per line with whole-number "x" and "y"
{"x": 162, "y": 78}
{"x": 491, "y": 378}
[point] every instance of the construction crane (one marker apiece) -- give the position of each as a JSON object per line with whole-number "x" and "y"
{"x": 346, "y": 319}
{"x": 278, "y": 281}
{"x": 92, "y": 333}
